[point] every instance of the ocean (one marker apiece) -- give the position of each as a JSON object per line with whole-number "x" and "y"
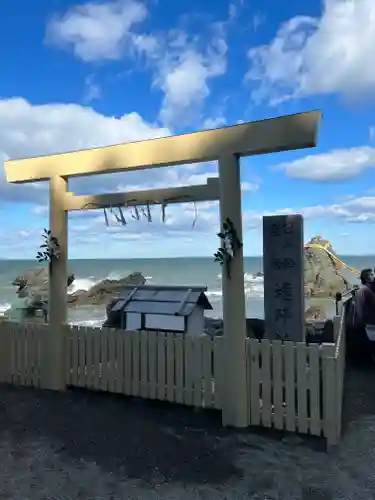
{"x": 176, "y": 271}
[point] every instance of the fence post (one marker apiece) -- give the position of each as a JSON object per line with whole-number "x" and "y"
{"x": 336, "y": 327}
{"x": 5, "y": 351}
{"x": 330, "y": 413}
{"x": 340, "y": 368}
{"x": 53, "y": 349}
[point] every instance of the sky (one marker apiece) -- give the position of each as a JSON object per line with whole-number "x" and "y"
{"x": 77, "y": 75}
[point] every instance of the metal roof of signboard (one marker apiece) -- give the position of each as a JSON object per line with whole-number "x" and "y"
{"x": 177, "y": 300}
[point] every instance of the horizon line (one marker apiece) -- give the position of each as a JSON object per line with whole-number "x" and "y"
{"x": 164, "y": 258}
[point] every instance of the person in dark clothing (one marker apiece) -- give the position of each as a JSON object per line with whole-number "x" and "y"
{"x": 365, "y": 298}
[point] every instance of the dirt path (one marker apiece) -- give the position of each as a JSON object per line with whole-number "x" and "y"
{"x": 99, "y": 446}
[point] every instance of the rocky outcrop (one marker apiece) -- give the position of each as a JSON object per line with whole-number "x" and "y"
{"x": 323, "y": 273}
{"x": 105, "y": 291}
{"x": 36, "y": 280}
{"x": 36, "y": 283}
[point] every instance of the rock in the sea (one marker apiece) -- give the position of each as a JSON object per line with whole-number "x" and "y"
{"x": 105, "y": 291}
{"x": 36, "y": 281}
{"x": 100, "y": 294}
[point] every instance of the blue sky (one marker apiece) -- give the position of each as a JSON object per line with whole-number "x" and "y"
{"x": 79, "y": 75}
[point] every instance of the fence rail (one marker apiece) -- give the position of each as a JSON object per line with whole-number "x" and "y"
{"x": 292, "y": 386}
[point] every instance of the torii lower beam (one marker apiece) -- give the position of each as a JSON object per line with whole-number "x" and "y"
{"x": 168, "y": 196}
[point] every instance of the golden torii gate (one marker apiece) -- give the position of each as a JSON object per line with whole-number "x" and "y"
{"x": 226, "y": 145}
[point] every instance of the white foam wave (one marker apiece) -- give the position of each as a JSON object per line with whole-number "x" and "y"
{"x": 4, "y": 307}
{"x": 115, "y": 275}
{"x": 254, "y": 290}
{"x": 82, "y": 284}
{"x": 252, "y": 278}
{"x": 248, "y": 277}
{"x": 95, "y": 323}
{"x": 253, "y": 286}
{"x": 89, "y": 282}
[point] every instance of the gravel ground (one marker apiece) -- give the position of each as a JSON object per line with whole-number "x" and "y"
{"x": 99, "y": 446}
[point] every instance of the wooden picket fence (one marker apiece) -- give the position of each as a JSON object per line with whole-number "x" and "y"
{"x": 298, "y": 387}
{"x": 21, "y": 353}
{"x": 154, "y": 365}
{"x": 292, "y": 386}
{"x": 164, "y": 366}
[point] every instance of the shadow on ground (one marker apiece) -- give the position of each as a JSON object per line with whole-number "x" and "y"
{"x": 131, "y": 437}
{"x": 359, "y": 393}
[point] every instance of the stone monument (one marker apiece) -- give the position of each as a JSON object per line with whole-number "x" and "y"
{"x": 283, "y": 264}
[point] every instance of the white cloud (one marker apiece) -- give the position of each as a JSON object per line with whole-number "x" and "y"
{"x": 338, "y": 164}
{"x": 89, "y": 236}
{"x": 258, "y": 20}
{"x": 98, "y": 31}
{"x": 33, "y": 130}
{"x": 92, "y": 89}
{"x": 216, "y": 122}
{"x": 182, "y": 65}
{"x": 323, "y": 55}
{"x": 354, "y": 210}
{"x": 184, "y": 73}
{"x": 27, "y": 130}
{"x": 249, "y": 187}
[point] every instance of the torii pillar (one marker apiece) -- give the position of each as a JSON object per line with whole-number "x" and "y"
{"x": 234, "y": 384}
{"x": 54, "y": 359}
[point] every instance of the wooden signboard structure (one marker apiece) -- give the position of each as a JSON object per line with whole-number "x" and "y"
{"x": 283, "y": 267}
{"x": 225, "y": 145}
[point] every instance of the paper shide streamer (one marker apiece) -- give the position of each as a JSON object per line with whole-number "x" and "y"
{"x": 143, "y": 211}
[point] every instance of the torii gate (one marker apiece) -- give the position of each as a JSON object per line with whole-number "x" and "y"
{"x": 226, "y": 145}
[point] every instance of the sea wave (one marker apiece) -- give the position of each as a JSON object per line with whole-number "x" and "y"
{"x": 248, "y": 277}
{"x": 94, "y": 323}
{"x": 253, "y": 288}
{"x": 87, "y": 283}
{"x": 4, "y": 307}
{"x": 253, "y": 278}
{"x": 83, "y": 284}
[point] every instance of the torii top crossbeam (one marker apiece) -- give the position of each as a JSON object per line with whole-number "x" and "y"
{"x": 266, "y": 136}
